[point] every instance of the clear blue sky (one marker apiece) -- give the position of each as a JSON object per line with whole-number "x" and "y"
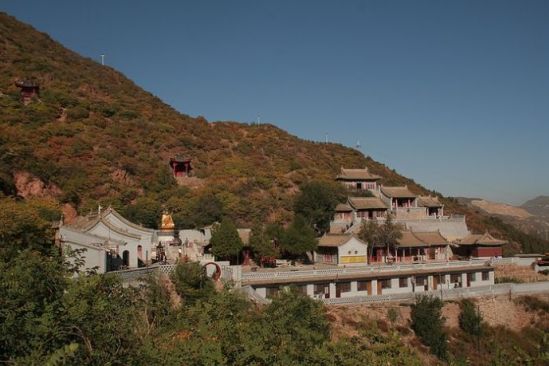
{"x": 454, "y": 94}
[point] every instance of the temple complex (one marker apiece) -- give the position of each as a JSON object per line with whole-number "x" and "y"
{"x": 428, "y": 234}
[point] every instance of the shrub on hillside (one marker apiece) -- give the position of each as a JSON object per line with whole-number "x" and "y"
{"x": 191, "y": 283}
{"x": 534, "y": 304}
{"x": 428, "y": 323}
{"x": 506, "y": 279}
{"x": 470, "y": 319}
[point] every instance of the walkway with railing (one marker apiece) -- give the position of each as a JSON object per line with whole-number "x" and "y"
{"x": 297, "y": 273}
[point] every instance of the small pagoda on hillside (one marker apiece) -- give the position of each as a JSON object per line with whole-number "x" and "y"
{"x": 29, "y": 90}
{"x": 181, "y": 167}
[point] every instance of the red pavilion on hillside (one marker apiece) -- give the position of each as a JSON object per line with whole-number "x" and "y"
{"x": 181, "y": 167}
{"x": 29, "y": 90}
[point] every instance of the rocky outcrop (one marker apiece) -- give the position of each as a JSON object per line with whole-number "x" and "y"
{"x": 69, "y": 213}
{"x": 28, "y": 186}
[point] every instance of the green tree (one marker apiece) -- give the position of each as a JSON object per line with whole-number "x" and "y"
{"x": 31, "y": 286}
{"x": 225, "y": 241}
{"x": 260, "y": 243}
{"x": 295, "y": 323}
{"x": 275, "y": 232}
{"x": 470, "y": 319}
{"x": 157, "y": 301}
{"x": 146, "y": 211}
{"x": 299, "y": 239}
{"x": 25, "y": 225}
{"x": 207, "y": 210}
{"x": 316, "y": 203}
{"x": 100, "y": 314}
{"x": 370, "y": 233}
{"x": 385, "y": 235}
{"x": 428, "y": 323}
{"x": 388, "y": 235}
{"x": 191, "y": 283}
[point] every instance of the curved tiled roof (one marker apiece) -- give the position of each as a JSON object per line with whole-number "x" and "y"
{"x": 367, "y": 203}
{"x": 431, "y": 237}
{"x": 412, "y": 239}
{"x": 343, "y": 207}
{"x": 481, "y": 240}
{"x": 397, "y": 192}
{"x": 111, "y": 210}
{"x": 356, "y": 174}
{"x": 336, "y": 240}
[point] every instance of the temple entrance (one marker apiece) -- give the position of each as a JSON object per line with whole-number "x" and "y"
{"x": 126, "y": 258}
{"x": 181, "y": 167}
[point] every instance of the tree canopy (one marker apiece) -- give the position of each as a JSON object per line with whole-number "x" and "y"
{"x": 299, "y": 238}
{"x": 380, "y": 235}
{"x": 226, "y": 243}
{"x": 260, "y": 243}
{"x": 316, "y": 203}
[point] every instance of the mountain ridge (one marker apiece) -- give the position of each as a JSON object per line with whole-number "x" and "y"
{"x": 97, "y": 137}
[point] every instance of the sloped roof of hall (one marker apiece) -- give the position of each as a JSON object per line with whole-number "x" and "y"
{"x": 343, "y": 207}
{"x": 356, "y": 174}
{"x": 336, "y": 240}
{"x": 413, "y": 239}
{"x": 481, "y": 240}
{"x": 367, "y": 203}
{"x": 397, "y": 192}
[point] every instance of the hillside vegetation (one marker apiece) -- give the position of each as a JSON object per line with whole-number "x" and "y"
{"x": 96, "y": 137}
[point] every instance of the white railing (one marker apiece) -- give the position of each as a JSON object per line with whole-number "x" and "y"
{"x": 266, "y": 275}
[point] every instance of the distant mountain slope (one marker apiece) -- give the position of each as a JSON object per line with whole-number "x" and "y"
{"x": 497, "y": 208}
{"x": 538, "y": 206}
{"x": 527, "y": 218}
{"x": 94, "y": 136}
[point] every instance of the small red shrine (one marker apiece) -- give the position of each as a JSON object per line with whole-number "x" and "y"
{"x": 181, "y": 167}
{"x": 29, "y": 90}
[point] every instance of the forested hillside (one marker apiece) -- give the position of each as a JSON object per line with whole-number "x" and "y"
{"x": 93, "y": 136}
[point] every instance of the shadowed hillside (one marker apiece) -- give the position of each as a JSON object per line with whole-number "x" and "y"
{"x": 94, "y": 136}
